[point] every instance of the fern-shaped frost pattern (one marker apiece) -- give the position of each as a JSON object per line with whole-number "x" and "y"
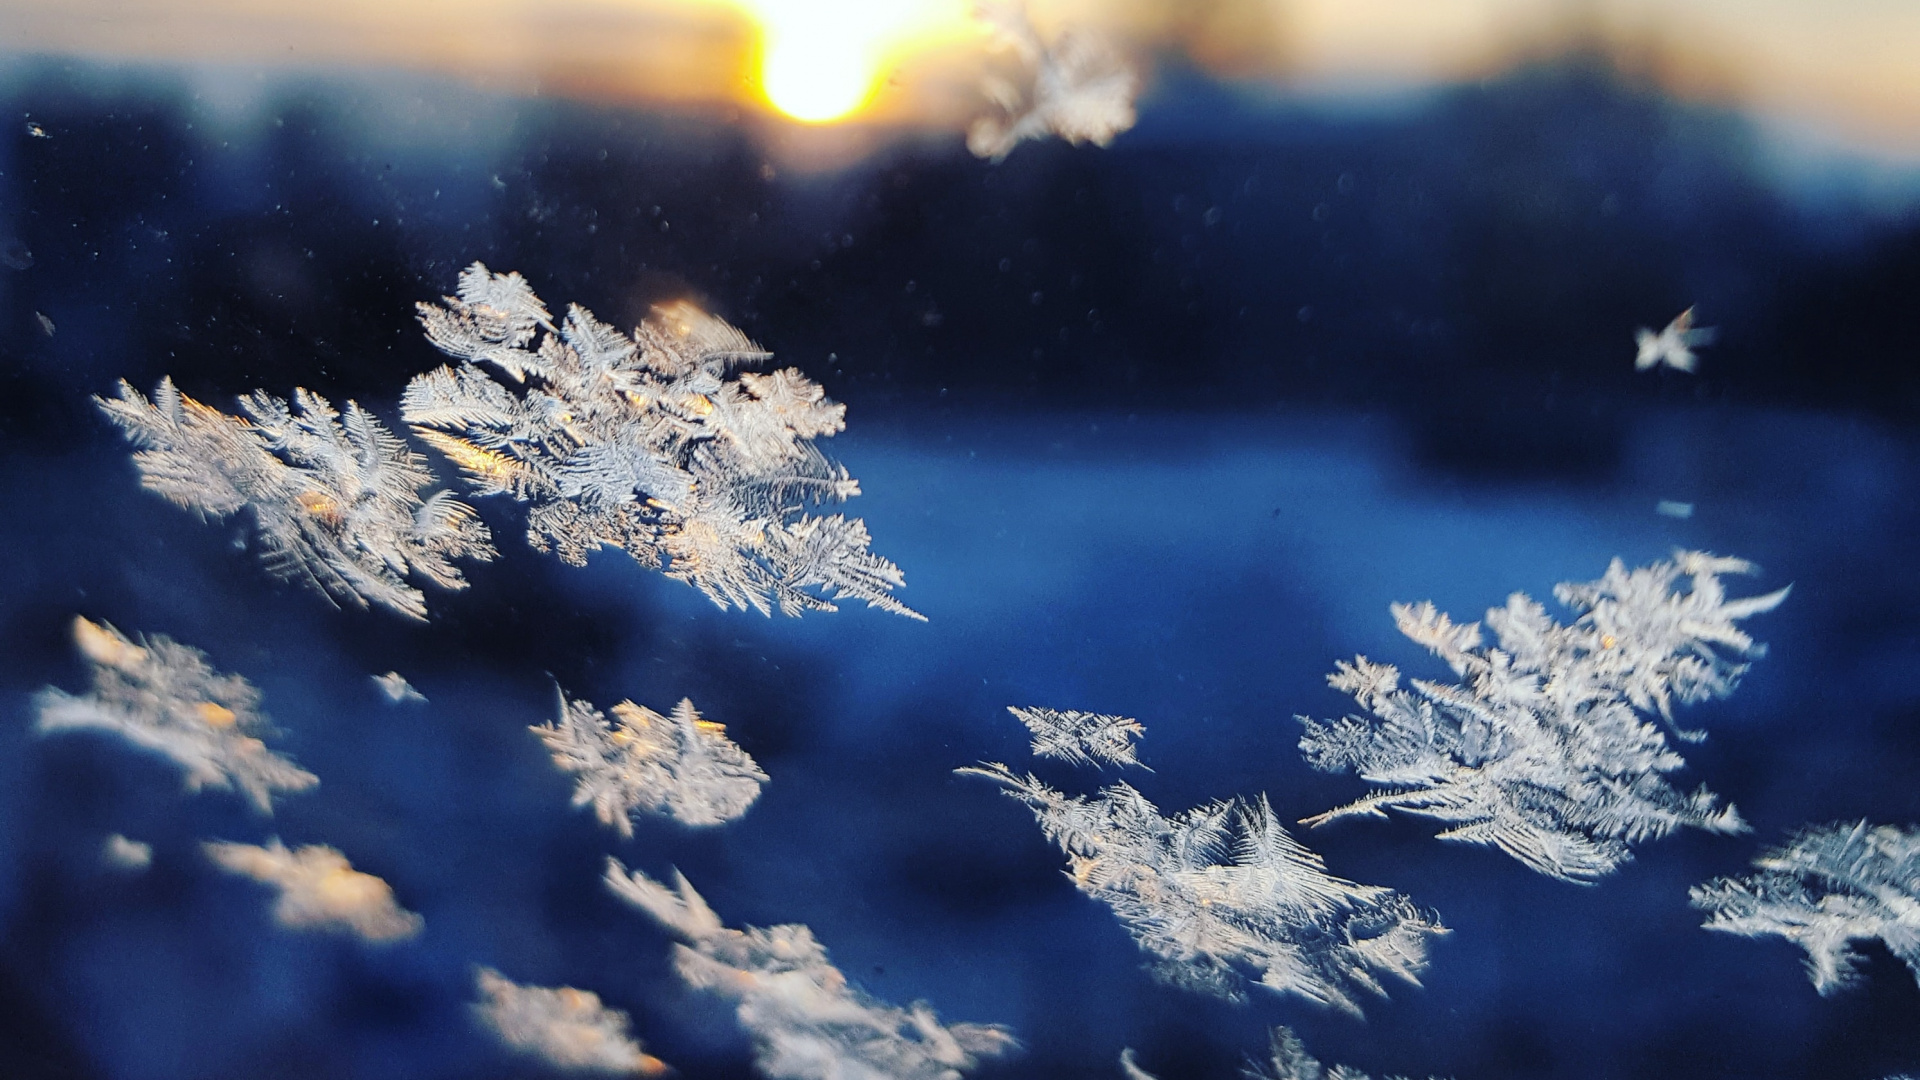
{"x": 642, "y": 762}
{"x": 335, "y": 497}
{"x": 652, "y": 444}
{"x": 1223, "y": 887}
{"x": 1080, "y": 738}
{"x": 807, "y": 1021}
{"x": 1826, "y": 889}
{"x": 1541, "y": 749}
{"x": 165, "y": 698}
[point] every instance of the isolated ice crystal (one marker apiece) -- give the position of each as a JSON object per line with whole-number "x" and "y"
{"x": 642, "y": 762}
{"x": 1673, "y": 345}
{"x": 1223, "y": 888}
{"x": 163, "y": 697}
{"x": 319, "y": 889}
{"x": 1541, "y": 750}
{"x": 807, "y": 1021}
{"x": 1080, "y": 88}
{"x": 565, "y": 1027}
{"x": 648, "y": 444}
{"x": 126, "y": 855}
{"x": 1829, "y": 887}
{"x": 396, "y": 689}
{"x": 1080, "y": 738}
{"x": 335, "y": 497}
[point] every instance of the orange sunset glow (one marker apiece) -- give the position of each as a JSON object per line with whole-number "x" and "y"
{"x": 1842, "y": 69}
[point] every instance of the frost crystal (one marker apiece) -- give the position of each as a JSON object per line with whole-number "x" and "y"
{"x": 680, "y": 765}
{"x": 1222, "y": 887}
{"x": 319, "y": 889}
{"x": 1081, "y": 738}
{"x": 1672, "y": 346}
{"x": 1540, "y": 751}
{"x": 806, "y": 1020}
{"x": 125, "y": 855}
{"x": 568, "y": 1028}
{"x": 335, "y": 498}
{"x": 646, "y": 444}
{"x": 162, "y": 696}
{"x": 396, "y": 689}
{"x": 1831, "y": 886}
{"x": 1082, "y": 90}
{"x": 1131, "y": 1069}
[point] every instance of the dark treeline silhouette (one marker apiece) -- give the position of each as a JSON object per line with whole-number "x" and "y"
{"x": 1477, "y": 262}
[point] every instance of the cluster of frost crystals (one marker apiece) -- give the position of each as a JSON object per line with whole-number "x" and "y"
{"x": 1080, "y": 88}
{"x": 1287, "y": 1059}
{"x": 565, "y": 1027}
{"x": 319, "y": 889}
{"x": 1223, "y": 886}
{"x": 806, "y": 1020}
{"x": 335, "y": 497}
{"x": 1826, "y": 889}
{"x": 679, "y": 765}
{"x": 1541, "y": 750}
{"x": 1081, "y": 738}
{"x": 163, "y": 697}
{"x": 648, "y": 444}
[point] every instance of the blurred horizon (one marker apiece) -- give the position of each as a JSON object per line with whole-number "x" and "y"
{"x": 1832, "y": 79}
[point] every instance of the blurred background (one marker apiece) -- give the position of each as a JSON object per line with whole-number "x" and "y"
{"x": 1161, "y": 429}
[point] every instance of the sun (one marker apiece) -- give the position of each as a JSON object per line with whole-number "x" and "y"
{"x": 823, "y": 60}
{"x": 817, "y": 72}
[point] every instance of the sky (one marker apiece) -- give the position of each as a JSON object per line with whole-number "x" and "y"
{"x": 1839, "y": 74}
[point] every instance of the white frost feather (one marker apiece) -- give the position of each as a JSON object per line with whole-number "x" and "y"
{"x": 806, "y": 1020}
{"x": 1542, "y": 749}
{"x": 650, "y": 443}
{"x": 164, "y": 698}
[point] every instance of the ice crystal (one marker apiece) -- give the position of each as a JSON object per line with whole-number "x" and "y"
{"x": 126, "y": 855}
{"x": 319, "y": 889}
{"x": 806, "y": 1020}
{"x": 396, "y": 689}
{"x": 335, "y": 497}
{"x": 648, "y": 444}
{"x": 162, "y": 696}
{"x": 1131, "y": 1069}
{"x": 1673, "y": 345}
{"x": 1541, "y": 750}
{"x": 678, "y": 765}
{"x": 1081, "y": 88}
{"x": 1224, "y": 887}
{"x": 1829, "y": 887}
{"x": 1082, "y": 738}
{"x": 567, "y": 1028}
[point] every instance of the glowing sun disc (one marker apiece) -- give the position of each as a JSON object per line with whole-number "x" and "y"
{"x": 816, "y": 75}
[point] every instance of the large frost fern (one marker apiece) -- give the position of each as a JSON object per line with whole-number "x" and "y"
{"x": 164, "y": 698}
{"x": 1223, "y": 887}
{"x": 1542, "y": 749}
{"x": 643, "y": 762}
{"x": 335, "y": 497}
{"x": 1826, "y": 889}
{"x": 650, "y": 444}
{"x": 807, "y": 1021}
